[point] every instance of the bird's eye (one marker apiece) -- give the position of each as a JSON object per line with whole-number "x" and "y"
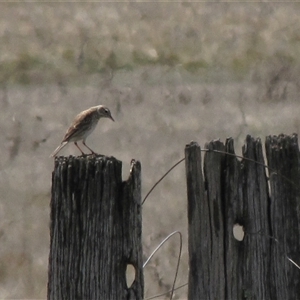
{"x": 106, "y": 110}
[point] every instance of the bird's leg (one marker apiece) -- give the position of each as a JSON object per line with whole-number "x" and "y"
{"x": 94, "y": 153}
{"x": 79, "y": 149}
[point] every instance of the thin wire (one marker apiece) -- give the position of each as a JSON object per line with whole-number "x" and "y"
{"x": 277, "y": 241}
{"x": 178, "y": 260}
{"x": 273, "y": 171}
{"x": 254, "y": 161}
{"x": 159, "y": 295}
{"x": 293, "y": 262}
{"x": 162, "y": 179}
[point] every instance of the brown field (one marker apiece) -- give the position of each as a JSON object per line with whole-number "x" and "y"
{"x": 170, "y": 73}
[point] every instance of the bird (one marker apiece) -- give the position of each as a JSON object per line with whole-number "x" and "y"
{"x": 82, "y": 126}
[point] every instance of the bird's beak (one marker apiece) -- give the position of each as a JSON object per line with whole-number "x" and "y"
{"x": 111, "y": 118}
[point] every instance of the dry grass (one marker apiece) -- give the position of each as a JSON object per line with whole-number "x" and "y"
{"x": 181, "y": 72}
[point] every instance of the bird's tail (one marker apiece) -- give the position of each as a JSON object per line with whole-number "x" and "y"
{"x": 58, "y": 149}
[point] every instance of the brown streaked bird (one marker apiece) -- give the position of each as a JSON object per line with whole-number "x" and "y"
{"x": 82, "y": 126}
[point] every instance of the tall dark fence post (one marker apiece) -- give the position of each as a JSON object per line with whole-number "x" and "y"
{"x": 283, "y": 158}
{"x": 236, "y": 192}
{"x": 95, "y": 230}
{"x": 198, "y": 226}
{"x": 246, "y": 201}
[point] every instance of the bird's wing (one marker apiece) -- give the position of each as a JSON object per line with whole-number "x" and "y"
{"x": 80, "y": 122}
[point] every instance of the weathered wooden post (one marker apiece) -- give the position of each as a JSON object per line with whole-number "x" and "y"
{"x": 283, "y": 158}
{"x": 236, "y": 192}
{"x": 198, "y": 227}
{"x": 95, "y": 230}
{"x": 246, "y": 202}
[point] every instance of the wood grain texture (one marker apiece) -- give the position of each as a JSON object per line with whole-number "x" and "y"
{"x": 231, "y": 191}
{"x": 213, "y": 166}
{"x": 198, "y": 226}
{"x": 283, "y": 157}
{"x": 95, "y": 230}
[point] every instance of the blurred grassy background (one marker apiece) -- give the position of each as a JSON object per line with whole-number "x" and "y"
{"x": 169, "y": 72}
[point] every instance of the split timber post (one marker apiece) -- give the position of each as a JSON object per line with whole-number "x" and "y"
{"x": 95, "y": 230}
{"x": 238, "y": 192}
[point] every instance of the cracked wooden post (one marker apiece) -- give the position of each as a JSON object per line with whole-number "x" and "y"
{"x": 231, "y": 192}
{"x": 283, "y": 158}
{"x": 95, "y": 230}
{"x": 199, "y": 230}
